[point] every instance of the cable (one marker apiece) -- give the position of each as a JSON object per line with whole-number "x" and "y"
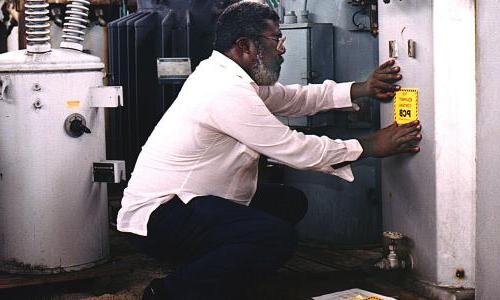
{"x": 358, "y": 25}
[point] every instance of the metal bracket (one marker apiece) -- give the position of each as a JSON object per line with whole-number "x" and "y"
{"x": 111, "y": 171}
{"x": 106, "y": 96}
{"x": 173, "y": 68}
{"x": 4, "y": 84}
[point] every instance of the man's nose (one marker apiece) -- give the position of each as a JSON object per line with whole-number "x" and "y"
{"x": 282, "y": 50}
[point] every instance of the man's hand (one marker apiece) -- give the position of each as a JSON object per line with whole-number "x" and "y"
{"x": 380, "y": 84}
{"x": 394, "y": 139}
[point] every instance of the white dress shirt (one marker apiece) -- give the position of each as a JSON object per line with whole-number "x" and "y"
{"x": 209, "y": 140}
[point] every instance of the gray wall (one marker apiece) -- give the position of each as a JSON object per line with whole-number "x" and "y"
{"x": 342, "y": 213}
{"x": 430, "y": 197}
{"x": 407, "y": 207}
{"x": 488, "y": 143}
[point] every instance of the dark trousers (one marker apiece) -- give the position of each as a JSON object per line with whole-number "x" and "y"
{"x": 223, "y": 248}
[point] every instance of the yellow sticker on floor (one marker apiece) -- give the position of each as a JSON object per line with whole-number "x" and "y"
{"x": 406, "y": 106}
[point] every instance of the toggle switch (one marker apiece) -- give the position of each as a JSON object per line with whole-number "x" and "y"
{"x": 393, "y": 49}
{"x": 412, "y": 49}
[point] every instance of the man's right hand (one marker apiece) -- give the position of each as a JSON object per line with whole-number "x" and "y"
{"x": 392, "y": 140}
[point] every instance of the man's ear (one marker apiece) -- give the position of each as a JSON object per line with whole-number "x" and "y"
{"x": 243, "y": 52}
{"x": 244, "y": 45}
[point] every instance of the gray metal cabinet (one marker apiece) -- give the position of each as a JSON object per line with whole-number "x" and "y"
{"x": 308, "y": 59}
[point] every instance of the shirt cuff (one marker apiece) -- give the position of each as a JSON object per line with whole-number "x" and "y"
{"x": 354, "y": 151}
{"x": 342, "y": 97}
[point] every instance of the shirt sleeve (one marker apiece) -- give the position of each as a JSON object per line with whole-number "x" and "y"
{"x": 241, "y": 114}
{"x": 297, "y": 100}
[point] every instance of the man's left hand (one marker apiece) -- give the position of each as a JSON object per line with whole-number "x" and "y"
{"x": 380, "y": 84}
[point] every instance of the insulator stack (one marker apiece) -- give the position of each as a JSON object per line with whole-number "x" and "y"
{"x": 75, "y": 23}
{"x": 37, "y": 26}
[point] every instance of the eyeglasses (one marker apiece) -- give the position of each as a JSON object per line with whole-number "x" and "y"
{"x": 279, "y": 40}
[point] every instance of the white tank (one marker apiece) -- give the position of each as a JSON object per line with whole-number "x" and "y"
{"x": 53, "y": 217}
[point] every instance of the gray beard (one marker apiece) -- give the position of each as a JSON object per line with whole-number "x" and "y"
{"x": 264, "y": 74}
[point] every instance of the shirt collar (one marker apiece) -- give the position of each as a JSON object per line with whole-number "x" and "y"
{"x": 232, "y": 67}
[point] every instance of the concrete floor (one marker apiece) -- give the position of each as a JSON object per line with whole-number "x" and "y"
{"x": 313, "y": 271}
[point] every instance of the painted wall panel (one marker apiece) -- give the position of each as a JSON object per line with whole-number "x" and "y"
{"x": 407, "y": 207}
{"x": 488, "y": 143}
{"x": 430, "y": 197}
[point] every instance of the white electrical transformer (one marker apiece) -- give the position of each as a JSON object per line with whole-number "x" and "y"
{"x": 53, "y": 217}
{"x": 53, "y": 196}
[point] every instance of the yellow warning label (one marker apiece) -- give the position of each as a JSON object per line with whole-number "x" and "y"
{"x": 406, "y": 106}
{"x": 73, "y": 103}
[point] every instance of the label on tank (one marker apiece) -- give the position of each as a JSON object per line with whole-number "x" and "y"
{"x": 406, "y": 106}
{"x": 73, "y": 103}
